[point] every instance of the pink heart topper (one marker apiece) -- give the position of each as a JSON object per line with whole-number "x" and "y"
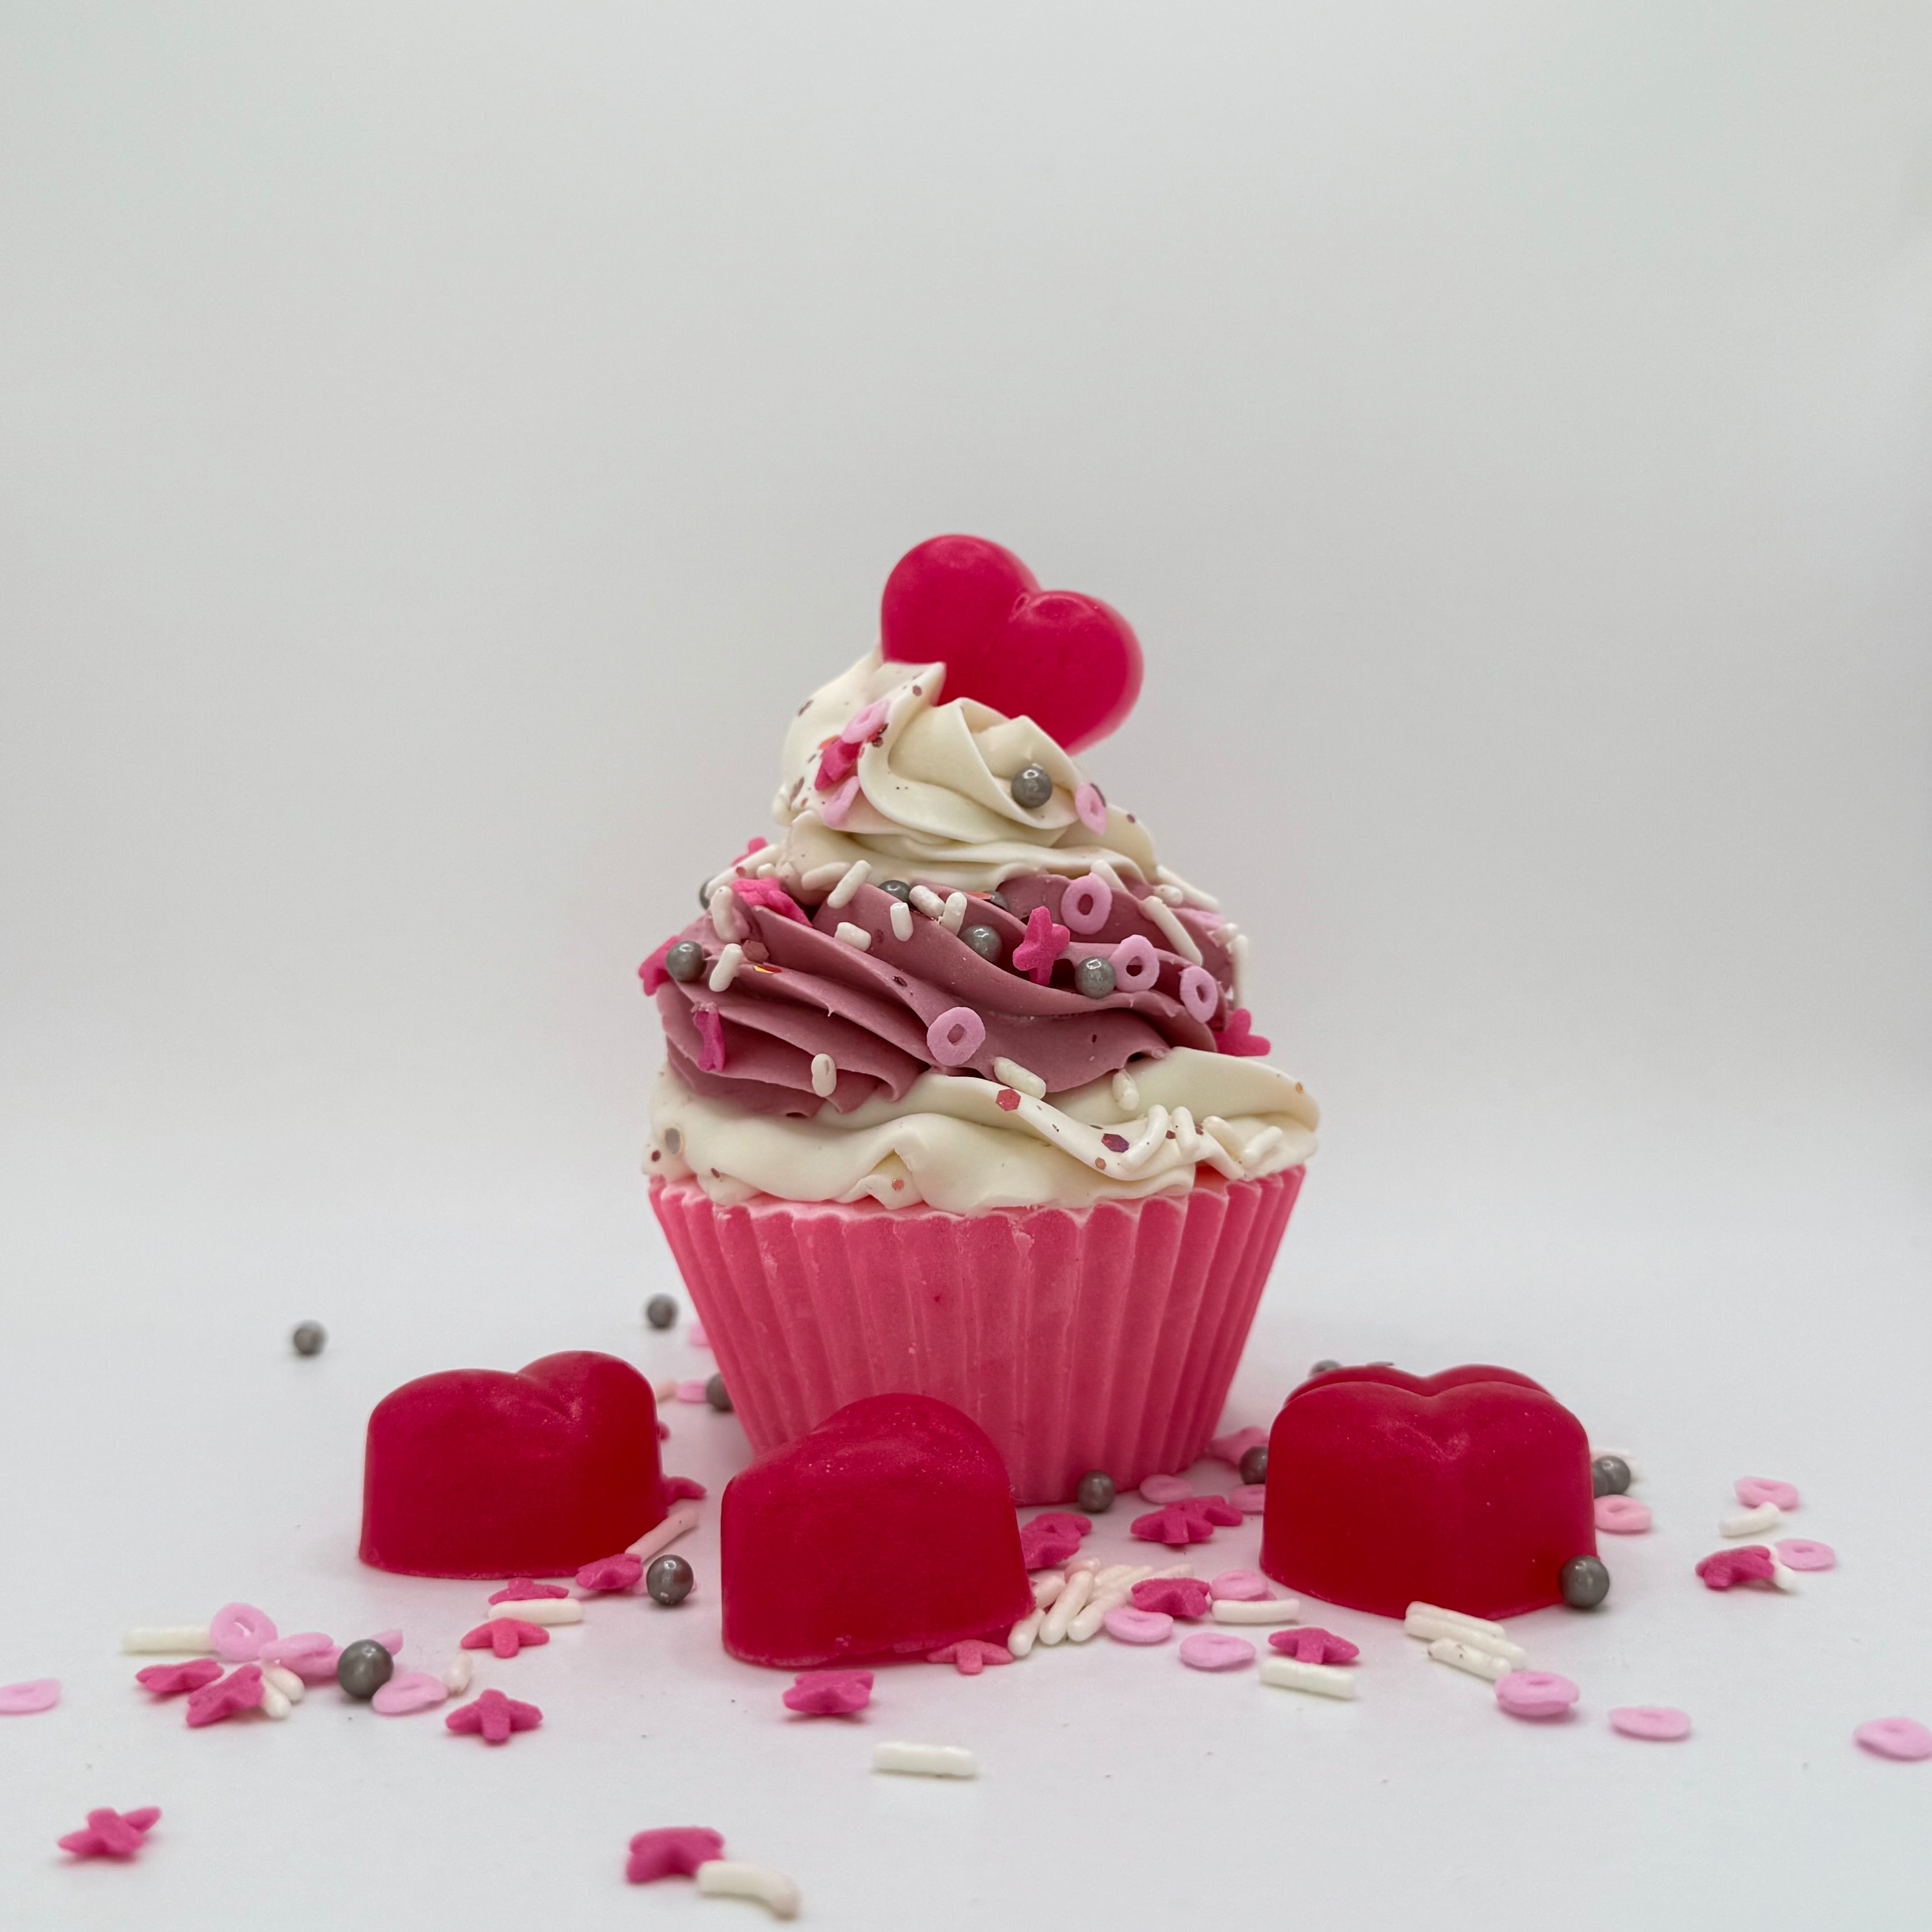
{"x": 1070, "y": 662}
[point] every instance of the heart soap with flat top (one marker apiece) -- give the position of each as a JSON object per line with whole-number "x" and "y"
{"x": 476, "y": 1472}
{"x": 888, "y": 1530}
{"x": 1469, "y": 1490}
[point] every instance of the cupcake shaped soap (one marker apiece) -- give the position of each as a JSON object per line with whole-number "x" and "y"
{"x": 960, "y": 1097}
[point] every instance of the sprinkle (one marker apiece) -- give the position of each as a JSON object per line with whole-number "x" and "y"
{"x": 414, "y": 1690}
{"x": 1250, "y": 1499}
{"x": 214, "y": 1703}
{"x": 171, "y": 1680}
{"x": 1291, "y": 1673}
{"x": 954, "y": 915}
{"x": 493, "y": 1717}
{"x": 830, "y": 1694}
{"x": 902, "y": 919}
{"x": 543, "y": 1610}
{"x": 1090, "y": 807}
{"x": 1045, "y": 940}
{"x": 672, "y": 1851}
{"x": 1216, "y": 1650}
{"x": 1800, "y": 1552}
{"x": 238, "y": 1631}
{"x": 1126, "y": 1095}
{"x": 820, "y": 877}
{"x": 1724, "y": 1569}
{"x": 521, "y": 1590}
{"x": 1536, "y": 1693}
{"x": 727, "y": 916}
{"x": 1482, "y": 1624}
{"x": 1656, "y": 1722}
{"x": 1194, "y": 892}
{"x": 1236, "y": 1444}
{"x": 168, "y": 1640}
{"x": 1430, "y": 1625}
{"x": 279, "y": 1678}
{"x": 274, "y": 1705}
{"x": 970, "y": 1655}
{"x": 766, "y": 892}
{"x": 824, "y": 1074}
{"x": 679, "y": 1519}
{"x": 1070, "y": 1602}
{"x": 711, "y": 1032}
{"x": 1200, "y": 992}
{"x": 834, "y": 809}
{"x": 1751, "y": 1521}
{"x": 1622, "y": 1515}
{"x": 955, "y": 1035}
{"x": 723, "y": 1878}
{"x": 456, "y": 1676}
{"x": 1028, "y": 1082}
{"x": 925, "y": 900}
{"x": 1179, "y": 939}
{"x": 1311, "y": 1644}
{"x": 1889, "y": 1737}
{"x": 1172, "y": 1596}
{"x": 504, "y": 1635}
{"x": 1237, "y": 943}
{"x": 865, "y": 724}
{"x": 1753, "y": 1490}
{"x": 1238, "y": 1038}
{"x": 1129, "y": 1624}
{"x": 854, "y": 876}
{"x": 1043, "y": 1546}
{"x": 620, "y": 1572}
{"x": 926, "y": 1760}
{"x": 1086, "y": 903}
{"x": 1272, "y": 1610}
{"x": 1114, "y": 1143}
{"x": 729, "y": 960}
{"x": 854, "y": 935}
{"x": 1159, "y": 1489}
{"x": 1136, "y": 964}
{"x": 1462, "y": 1656}
{"x": 1239, "y": 1586}
{"x": 109, "y": 1833}
{"x": 25, "y": 1699}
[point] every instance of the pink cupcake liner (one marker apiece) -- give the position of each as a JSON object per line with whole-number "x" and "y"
{"x": 1095, "y": 1338}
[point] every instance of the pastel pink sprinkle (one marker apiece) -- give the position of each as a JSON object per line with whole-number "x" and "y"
{"x": 315, "y": 1666}
{"x": 1216, "y": 1650}
{"x": 711, "y": 1036}
{"x": 493, "y": 1717}
{"x": 1724, "y": 1569}
{"x": 833, "y": 809}
{"x": 676, "y": 1489}
{"x": 1753, "y": 1490}
{"x": 1172, "y": 1596}
{"x": 1895, "y": 1737}
{"x": 1659, "y": 1723}
{"x": 23, "y": 1700}
{"x": 620, "y": 1572}
{"x": 1536, "y": 1693}
{"x": 238, "y": 1631}
{"x": 955, "y": 1035}
{"x": 1090, "y": 807}
{"x": 1800, "y": 1552}
{"x": 865, "y": 724}
{"x": 1160, "y": 1489}
{"x": 1310, "y": 1643}
{"x": 504, "y": 1636}
{"x": 1250, "y": 1499}
{"x": 672, "y": 1851}
{"x": 521, "y": 1590}
{"x": 1238, "y": 1037}
{"x": 410, "y": 1691}
{"x": 290, "y": 1650}
{"x": 170, "y": 1680}
{"x": 391, "y": 1640}
{"x": 1622, "y": 1515}
{"x": 691, "y": 1390}
{"x": 830, "y": 1694}
{"x": 970, "y": 1655}
{"x": 772, "y": 896}
{"x": 215, "y": 1703}
{"x": 837, "y": 764}
{"x": 1129, "y": 1625}
{"x": 1239, "y": 1586}
{"x": 112, "y": 1834}
{"x": 1045, "y": 940}
{"x": 1232, "y": 1447}
{"x": 696, "y": 1336}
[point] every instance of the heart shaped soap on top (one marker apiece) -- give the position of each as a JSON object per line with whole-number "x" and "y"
{"x": 1469, "y": 1490}
{"x": 1070, "y": 662}
{"x": 474, "y": 1472}
{"x": 888, "y": 1530}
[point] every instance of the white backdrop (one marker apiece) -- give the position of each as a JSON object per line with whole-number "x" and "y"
{"x": 439, "y": 445}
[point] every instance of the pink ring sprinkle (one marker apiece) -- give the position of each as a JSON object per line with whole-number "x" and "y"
{"x": 1090, "y": 807}
{"x": 290, "y": 1649}
{"x": 391, "y": 1640}
{"x": 1200, "y": 992}
{"x": 956, "y": 1036}
{"x": 1658, "y": 1722}
{"x": 1131, "y": 1626}
{"x": 1136, "y": 964}
{"x": 238, "y": 1631}
{"x": 1216, "y": 1650}
{"x": 22, "y": 1700}
{"x": 1800, "y": 1552}
{"x": 413, "y": 1691}
{"x": 1160, "y": 1489}
{"x": 1536, "y": 1693}
{"x": 1085, "y": 905}
{"x": 1239, "y": 1586}
{"x": 1753, "y": 1490}
{"x": 1895, "y": 1737}
{"x": 1622, "y": 1515}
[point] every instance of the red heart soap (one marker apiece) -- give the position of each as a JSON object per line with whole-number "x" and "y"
{"x": 475, "y": 1472}
{"x": 1070, "y": 663}
{"x": 1470, "y": 1489}
{"x": 888, "y": 1530}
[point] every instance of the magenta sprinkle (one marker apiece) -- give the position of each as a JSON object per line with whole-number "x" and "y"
{"x": 970, "y": 1655}
{"x": 608, "y": 1574}
{"x": 772, "y": 896}
{"x": 1308, "y": 1643}
{"x": 493, "y": 1717}
{"x": 1239, "y": 1038}
{"x": 711, "y": 1031}
{"x": 836, "y": 763}
{"x": 672, "y": 1851}
{"x": 830, "y": 1694}
{"x": 1172, "y": 1596}
{"x": 676, "y": 1489}
{"x": 171, "y": 1680}
{"x": 1043, "y": 1546}
{"x": 1724, "y": 1569}
{"x": 504, "y": 1636}
{"x": 111, "y": 1834}
{"x": 1045, "y": 940}
{"x": 215, "y": 1703}
{"x": 522, "y": 1590}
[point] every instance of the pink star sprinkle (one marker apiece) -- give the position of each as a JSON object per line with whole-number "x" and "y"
{"x": 506, "y": 1636}
{"x": 865, "y": 724}
{"x": 111, "y": 1834}
{"x": 1191, "y": 1519}
{"x": 830, "y": 1694}
{"x": 521, "y": 1590}
{"x": 1239, "y": 1038}
{"x": 170, "y": 1680}
{"x": 1044, "y": 943}
{"x": 493, "y": 1717}
{"x": 836, "y": 763}
{"x": 1311, "y": 1644}
{"x": 970, "y": 1656}
{"x": 216, "y": 1703}
{"x": 1232, "y": 1447}
{"x": 1043, "y": 1547}
{"x": 711, "y": 1032}
{"x": 1724, "y": 1568}
{"x": 1173, "y": 1596}
{"x": 1081, "y": 1525}
{"x": 676, "y": 1489}
{"x": 620, "y": 1572}
{"x": 772, "y": 896}
{"x": 672, "y": 1851}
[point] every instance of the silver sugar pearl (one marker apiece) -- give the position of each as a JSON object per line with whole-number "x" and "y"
{"x": 1095, "y": 1494}
{"x": 898, "y": 888}
{"x": 668, "y": 1580}
{"x": 704, "y": 896}
{"x": 364, "y": 1668}
{"x": 685, "y": 961}
{"x": 309, "y": 1338}
{"x": 1254, "y": 1464}
{"x": 1032, "y": 786}
{"x": 718, "y": 1395}
{"x": 1094, "y": 977}
{"x": 1322, "y": 1367}
{"x": 1584, "y": 1582}
{"x": 660, "y": 1311}
{"x": 1609, "y": 1476}
{"x": 983, "y": 940}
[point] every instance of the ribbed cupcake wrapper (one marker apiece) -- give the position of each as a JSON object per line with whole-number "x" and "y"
{"x": 1096, "y": 1338}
